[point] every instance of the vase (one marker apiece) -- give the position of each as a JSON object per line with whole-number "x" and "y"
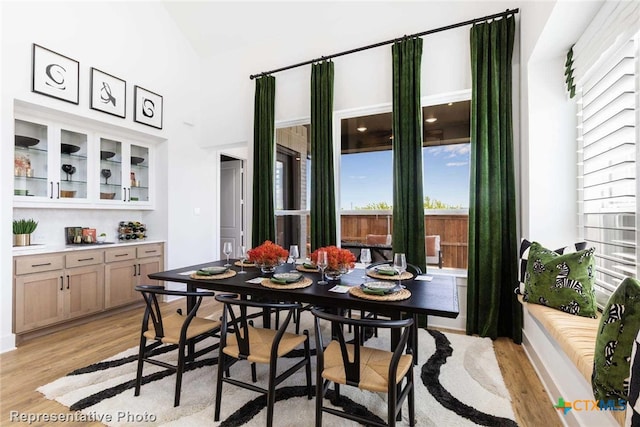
{"x": 268, "y": 268}
{"x": 21, "y": 239}
{"x": 333, "y": 275}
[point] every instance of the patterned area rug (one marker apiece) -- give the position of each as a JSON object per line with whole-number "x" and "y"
{"x": 458, "y": 383}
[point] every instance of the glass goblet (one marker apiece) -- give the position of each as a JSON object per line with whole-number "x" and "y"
{"x": 106, "y": 173}
{"x": 294, "y": 253}
{"x": 365, "y": 258}
{"x": 400, "y": 265}
{"x": 227, "y": 249}
{"x": 323, "y": 263}
{"x": 242, "y": 253}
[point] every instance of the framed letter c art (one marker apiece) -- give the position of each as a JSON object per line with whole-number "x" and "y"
{"x": 108, "y": 93}
{"x": 147, "y": 107}
{"x": 55, "y": 75}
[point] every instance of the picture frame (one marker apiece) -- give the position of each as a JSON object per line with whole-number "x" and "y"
{"x": 148, "y": 107}
{"x": 55, "y": 75}
{"x": 108, "y": 93}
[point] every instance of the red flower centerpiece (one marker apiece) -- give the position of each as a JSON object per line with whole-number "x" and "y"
{"x": 268, "y": 256}
{"x": 339, "y": 261}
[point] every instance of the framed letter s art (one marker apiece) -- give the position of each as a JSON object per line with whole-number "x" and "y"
{"x": 147, "y": 107}
{"x": 55, "y": 75}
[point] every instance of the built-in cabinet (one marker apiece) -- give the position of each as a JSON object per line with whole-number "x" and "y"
{"x": 53, "y": 288}
{"x": 60, "y": 164}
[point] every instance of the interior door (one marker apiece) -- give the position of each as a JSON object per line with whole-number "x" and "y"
{"x": 231, "y": 204}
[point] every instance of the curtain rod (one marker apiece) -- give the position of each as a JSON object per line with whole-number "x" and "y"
{"x": 371, "y": 46}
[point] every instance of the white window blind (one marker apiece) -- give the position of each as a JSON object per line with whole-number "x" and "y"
{"x": 608, "y": 115}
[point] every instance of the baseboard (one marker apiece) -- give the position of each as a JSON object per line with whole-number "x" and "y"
{"x": 560, "y": 376}
{"x": 7, "y": 343}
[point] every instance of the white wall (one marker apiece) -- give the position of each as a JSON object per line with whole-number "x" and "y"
{"x": 138, "y": 42}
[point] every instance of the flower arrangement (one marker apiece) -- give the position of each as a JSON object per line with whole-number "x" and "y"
{"x": 267, "y": 253}
{"x": 337, "y": 259}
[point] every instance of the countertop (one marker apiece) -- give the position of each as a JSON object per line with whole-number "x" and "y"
{"x": 51, "y": 248}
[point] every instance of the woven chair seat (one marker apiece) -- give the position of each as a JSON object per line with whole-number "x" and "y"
{"x": 374, "y": 367}
{"x": 172, "y": 324}
{"x": 260, "y": 343}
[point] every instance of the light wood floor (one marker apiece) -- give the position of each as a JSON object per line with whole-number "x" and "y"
{"x": 44, "y": 359}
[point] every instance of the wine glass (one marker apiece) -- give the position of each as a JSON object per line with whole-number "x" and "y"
{"x": 66, "y": 168}
{"x": 365, "y": 258}
{"x": 400, "y": 265}
{"x": 106, "y": 173}
{"x": 242, "y": 253}
{"x": 294, "y": 253}
{"x": 227, "y": 249}
{"x": 323, "y": 262}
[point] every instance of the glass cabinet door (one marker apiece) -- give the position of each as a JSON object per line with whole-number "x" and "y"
{"x": 73, "y": 165}
{"x": 111, "y": 158}
{"x": 31, "y": 160}
{"x": 139, "y": 191}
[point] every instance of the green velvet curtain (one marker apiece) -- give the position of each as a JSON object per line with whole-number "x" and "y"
{"x": 492, "y": 307}
{"x": 263, "y": 214}
{"x": 408, "y": 201}
{"x": 323, "y": 197}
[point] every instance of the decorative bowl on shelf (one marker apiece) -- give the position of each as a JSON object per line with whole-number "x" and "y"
{"x": 104, "y": 155}
{"x": 68, "y": 148}
{"x": 136, "y": 160}
{"x": 67, "y": 194}
{"x": 107, "y": 196}
{"x": 17, "y": 192}
{"x": 26, "y": 141}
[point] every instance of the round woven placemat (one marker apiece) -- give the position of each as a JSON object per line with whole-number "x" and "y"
{"x": 246, "y": 264}
{"x": 267, "y": 283}
{"x": 404, "y": 276}
{"x": 305, "y": 269}
{"x": 225, "y": 275}
{"x": 356, "y": 291}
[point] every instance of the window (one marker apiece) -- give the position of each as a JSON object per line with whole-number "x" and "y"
{"x": 607, "y": 165}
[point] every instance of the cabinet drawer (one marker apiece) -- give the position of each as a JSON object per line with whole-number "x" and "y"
{"x": 39, "y": 263}
{"x": 119, "y": 254}
{"x": 81, "y": 258}
{"x": 153, "y": 249}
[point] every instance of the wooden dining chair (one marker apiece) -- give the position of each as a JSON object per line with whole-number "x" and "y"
{"x": 240, "y": 340}
{"x": 175, "y": 329}
{"x": 367, "y": 368}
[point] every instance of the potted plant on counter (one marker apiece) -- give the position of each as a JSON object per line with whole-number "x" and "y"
{"x": 22, "y": 229}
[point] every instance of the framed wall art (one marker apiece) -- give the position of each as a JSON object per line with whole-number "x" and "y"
{"x": 55, "y": 75}
{"x": 108, "y": 93}
{"x": 147, "y": 107}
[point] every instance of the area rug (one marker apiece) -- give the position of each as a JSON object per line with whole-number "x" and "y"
{"x": 458, "y": 383}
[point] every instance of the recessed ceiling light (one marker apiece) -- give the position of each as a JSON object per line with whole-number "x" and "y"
{"x": 361, "y": 129}
{"x": 431, "y": 120}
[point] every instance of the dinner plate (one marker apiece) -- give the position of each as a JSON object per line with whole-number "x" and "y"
{"x": 215, "y": 269}
{"x": 380, "y": 286}
{"x": 288, "y": 277}
{"x": 385, "y": 269}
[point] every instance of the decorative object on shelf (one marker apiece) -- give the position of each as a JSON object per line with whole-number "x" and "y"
{"x": 147, "y": 107}
{"x": 106, "y": 173}
{"x": 67, "y": 194}
{"x": 133, "y": 179}
{"x": 69, "y": 148}
{"x": 267, "y": 256}
{"x": 136, "y": 160}
{"x": 69, "y": 170}
{"x": 73, "y": 233}
{"x": 22, "y": 229}
{"x": 88, "y": 235}
{"x": 108, "y": 93}
{"x": 107, "y": 196}
{"x": 102, "y": 237}
{"x": 22, "y": 165}
{"x": 25, "y": 141}
{"x": 339, "y": 261}
{"x": 106, "y": 155}
{"x": 55, "y": 75}
{"x": 131, "y": 230}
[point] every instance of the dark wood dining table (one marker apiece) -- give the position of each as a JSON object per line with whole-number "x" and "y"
{"x": 437, "y": 297}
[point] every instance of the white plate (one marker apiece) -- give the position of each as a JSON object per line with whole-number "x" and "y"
{"x": 289, "y": 277}
{"x": 380, "y": 286}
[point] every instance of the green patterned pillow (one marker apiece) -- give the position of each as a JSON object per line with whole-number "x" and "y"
{"x": 564, "y": 282}
{"x": 618, "y": 328}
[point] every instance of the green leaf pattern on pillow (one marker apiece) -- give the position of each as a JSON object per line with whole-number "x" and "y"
{"x": 564, "y": 282}
{"x": 618, "y": 328}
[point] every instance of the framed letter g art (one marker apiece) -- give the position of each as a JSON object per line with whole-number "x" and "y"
{"x": 147, "y": 107}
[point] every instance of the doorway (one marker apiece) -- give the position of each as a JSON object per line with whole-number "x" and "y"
{"x": 232, "y": 214}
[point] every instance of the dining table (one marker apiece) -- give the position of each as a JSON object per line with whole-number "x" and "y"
{"x": 433, "y": 295}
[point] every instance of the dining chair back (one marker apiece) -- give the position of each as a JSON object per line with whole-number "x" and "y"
{"x": 343, "y": 362}
{"x": 240, "y": 340}
{"x": 432, "y": 250}
{"x": 176, "y": 329}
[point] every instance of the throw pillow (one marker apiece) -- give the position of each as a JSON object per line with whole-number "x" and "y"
{"x": 564, "y": 281}
{"x": 618, "y": 328}
{"x": 524, "y": 257}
